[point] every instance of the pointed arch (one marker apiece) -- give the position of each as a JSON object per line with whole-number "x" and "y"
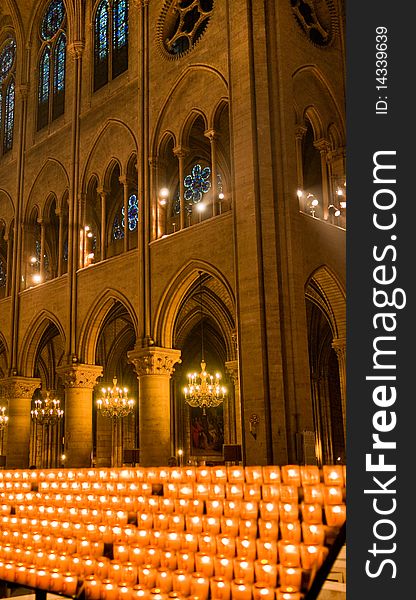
{"x": 95, "y": 319}
{"x": 324, "y": 289}
{"x": 51, "y": 179}
{"x": 32, "y": 338}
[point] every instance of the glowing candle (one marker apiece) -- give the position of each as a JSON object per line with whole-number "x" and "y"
{"x": 207, "y": 543}
{"x": 115, "y": 570}
{"x": 313, "y": 494}
{"x": 290, "y": 577}
{"x": 152, "y": 556}
{"x": 109, "y": 590}
{"x": 102, "y": 568}
{"x": 88, "y": 565}
{"x": 181, "y": 582}
{"x": 243, "y": 569}
{"x": 129, "y": 573}
{"x": 266, "y": 550}
{"x": 226, "y": 545}
{"x": 287, "y": 594}
{"x": 168, "y": 559}
{"x": 248, "y": 528}
{"x": 309, "y": 474}
{"x": 253, "y": 474}
{"x": 289, "y": 511}
{"x": 21, "y": 573}
{"x": 289, "y": 493}
{"x": 312, "y": 555}
{"x": 220, "y": 588}
{"x": 121, "y": 552}
{"x": 249, "y": 509}
{"x": 240, "y": 590}
{"x": 291, "y": 475}
{"x": 333, "y": 475}
{"x": 31, "y": 575}
{"x": 262, "y": 591}
{"x": 42, "y": 578}
{"x": 204, "y": 563}
{"x": 230, "y": 526}
{"x": 147, "y": 576}
{"x": 268, "y": 530}
{"x": 185, "y": 560}
{"x": 199, "y": 585}
{"x": 214, "y": 508}
{"x": 139, "y": 592}
{"x": 124, "y": 591}
{"x": 232, "y": 508}
{"x": 246, "y": 547}
{"x": 189, "y": 541}
{"x": 164, "y": 580}
{"x": 311, "y": 513}
{"x": 335, "y": 515}
{"x": 211, "y": 524}
{"x": 313, "y": 534}
{"x": 269, "y": 510}
{"x": 290, "y": 532}
{"x": 223, "y": 567}
{"x": 289, "y": 554}
{"x": 266, "y": 572}
{"x": 332, "y": 495}
{"x": 173, "y": 540}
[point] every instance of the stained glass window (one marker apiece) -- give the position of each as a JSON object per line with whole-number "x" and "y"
{"x": 120, "y": 23}
{"x": 110, "y": 41}
{"x": 118, "y": 229}
{"x": 197, "y": 183}
{"x": 101, "y": 31}
{"x": 59, "y": 82}
{"x": 7, "y": 59}
{"x": 9, "y": 118}
{"x": 3, "y": 276}
{"x": 132, "y": 212}
{"x": 7, "y": 95}
{"x": 53, "y": 19}
{"x": 65, "y": 250}
{"x": 51, "y": 90}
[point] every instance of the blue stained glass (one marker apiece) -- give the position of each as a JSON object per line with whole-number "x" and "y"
{"x": 7, "y": 59}
{"x": 53, "y": 19}
{"x": 65, "y": 250}
{"x": 132, "y": 213}
{"x": 60, "y": 64}
{"x": 9, "y": 117}
{"x": 118, "y": 229}
{"x": 45, "y": 256}
{"x": 101, "y": 31}
{"x": 197, "y": 183}
{"x": 119, "y": 23}
{"x": 45, "y": 67}
{"x": 3, "y": 276}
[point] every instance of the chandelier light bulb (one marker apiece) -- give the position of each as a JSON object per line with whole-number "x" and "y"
{"x": 315, "y": 202}
{"x": 221, "y": 196}
{"x": 163, "y": 193}
{"x": 115, "y": 402}
{"x": 299, "y": 193}
{"x": 204, "y": 390}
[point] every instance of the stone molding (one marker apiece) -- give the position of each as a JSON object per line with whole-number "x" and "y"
{"x": 154, "y": 361}
{"x": 80, "y": 376}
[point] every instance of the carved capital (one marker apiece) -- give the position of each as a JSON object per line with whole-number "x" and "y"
{"x": 340, "y": 347}
{"x": 211, "y": 134}
{"x": 181, "y": 151}
{"x": 76, "y": 49}
{"x": 154, "y": 361}
{"x": 232, "y": 369}
{"x": 300, "y": 131}
{"x": 322, "y": 145}
{"x": 15, "y": 388}
{"x": 80, "y": 376}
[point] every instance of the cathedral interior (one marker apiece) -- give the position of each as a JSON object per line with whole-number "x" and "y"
{"x": 172, "y": 215}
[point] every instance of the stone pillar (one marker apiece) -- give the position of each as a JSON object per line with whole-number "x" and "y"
{"x": 19, "y": 391}
{"x": 154, "y": 367}
{"x": 8, "y": 240}
{"x": 323, "y": 147}
{"x": 42, "y": 250}
{"x": 180, "y": 154}
{"x": 59, "y": 213}
{"x": 340, "y": 347}
{"x": 232, "y": 368}
{"x": 300, "y": 132}
{"x": 79, "y": 381}
{"x": 213, "y": 136}
{"x": 103, "y": 195}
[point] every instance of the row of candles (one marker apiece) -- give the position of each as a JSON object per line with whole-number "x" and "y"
{"x": 133, "y": 558}
{"x": 245, "y": 491}
{"x": 289, "y": 474}
{"x": 159, "y": 585}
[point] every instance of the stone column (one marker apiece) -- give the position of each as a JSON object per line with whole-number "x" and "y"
{"x": 19, "y": 391}
{"x": 79, "y": 381}
{"x": 323, "y": 147}
{"x": 103, "y": 195}
{"x": 340, "y": 347}
{"x": 300, "y": 132}
{"x": 154, "y": 367}
{"x": 232, "y": 368}
{"x": 180, "y": 154}
{"x": 8, "y": 240}
{"x": 59, "y": 213}
{"x": 212, "y": 136}
{"x": 42, "y": 250}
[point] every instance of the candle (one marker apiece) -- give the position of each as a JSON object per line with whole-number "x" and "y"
{"x": 189, "y": 541}
{"x": 261, "y": 591}
{"x": 269, "y": 510}
{"x": 120, "y": 552}
{"x": 289, "y": 554}
{"x": 311, "y": 555}
{"x": 313, "y": 494}
{"x": 181, "y": 582}
{"x": 102, "y": 568}
{"x": 115, "y": 571}
{"x": 92, "y": 588}
{"x": 243, "y": 569}
{"x": 42, "y": 578}
{"x": 266, "y": 572}
{"x": 335, "y": 515}
{"x": 30, "y": 575}
{"x": 291, "y": 475}
{"x": 313, "y": 534}
{"x": 223, "y": 566}
{"x": 333, "y": 495}
{"x": 230, "y": 525}
{"x": 253, "y": 474}
{"x": 185, "y": 560}
{"x": 234, "y": 491}
{"x": 147, "y": 576}
{"x": 289, "y": 511}
{"x": 248, "y": 528}
{"x": 143, "y": 537}
{"x": 129, "y": 573}
{"x": 161, "y": 520}
{"x": 88, "y": 565}
{"x": 220, "y": 588}
{"x": 164, "y": 580}
{"x": 311, "y": 513}
{"x": 288, "y": 594}
{"x": 199, "y": 585}
{"x": 211, "y": 524}
{"x": 309, "y": 475}
{"x": 203, "y": 474}
{"x": 290, "y": 577}
{"x": 168, "y": 560}
{"x": 232, "y": 508}
{"x": 226, "y": 545}
{"x": 207, "y": 543}
{"x": 249, "y": 509}
{"x": 266, "y": 550}
{"x": 214, "y": 508}
{"x": 289, "y": 493}
{"x": 268, "y": 530}
{"x": 194, "y": 523}
{"x": 152, "y": 556}
{"x": 124, "y": 592}
{"x": 204, "y": 563}
{"x": 156, "y": 594}
{"x": 240, "y": 590}
{"x": 290, "y": 532}
{"x": 173, "y": 540}
{"x": 246, "y": 547}
{"x": 176, "y": 522}
{"x": 20, "y": 574}
{"x": 333, "y": 475}
{"x": 139, "y": 592}
{"x": 109, "y": 590}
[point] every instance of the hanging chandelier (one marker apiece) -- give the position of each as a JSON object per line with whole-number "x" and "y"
{"x": 4, "y": 419}
{"x": 47, "y": 411}
{"x": 204, "y": 390}
{"x": 115, "y": 402}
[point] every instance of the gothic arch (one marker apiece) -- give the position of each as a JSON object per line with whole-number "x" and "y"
{"x": 95, "y": 319}
{"x": 51, "y": 179}
{"x": 324, "y": 289}
{"x": 176, "y": 292}
{"x": 6, "y": 209}
{"x": 32, "y": 338}
{"x": 4, "y": 356}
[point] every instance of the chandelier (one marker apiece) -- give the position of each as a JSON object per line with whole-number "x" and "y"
{"x": 115, "y": 402}
{"x": 204, "y": 390}
{"x": 47, "y": 411}
{"x": 4, "y": 419}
